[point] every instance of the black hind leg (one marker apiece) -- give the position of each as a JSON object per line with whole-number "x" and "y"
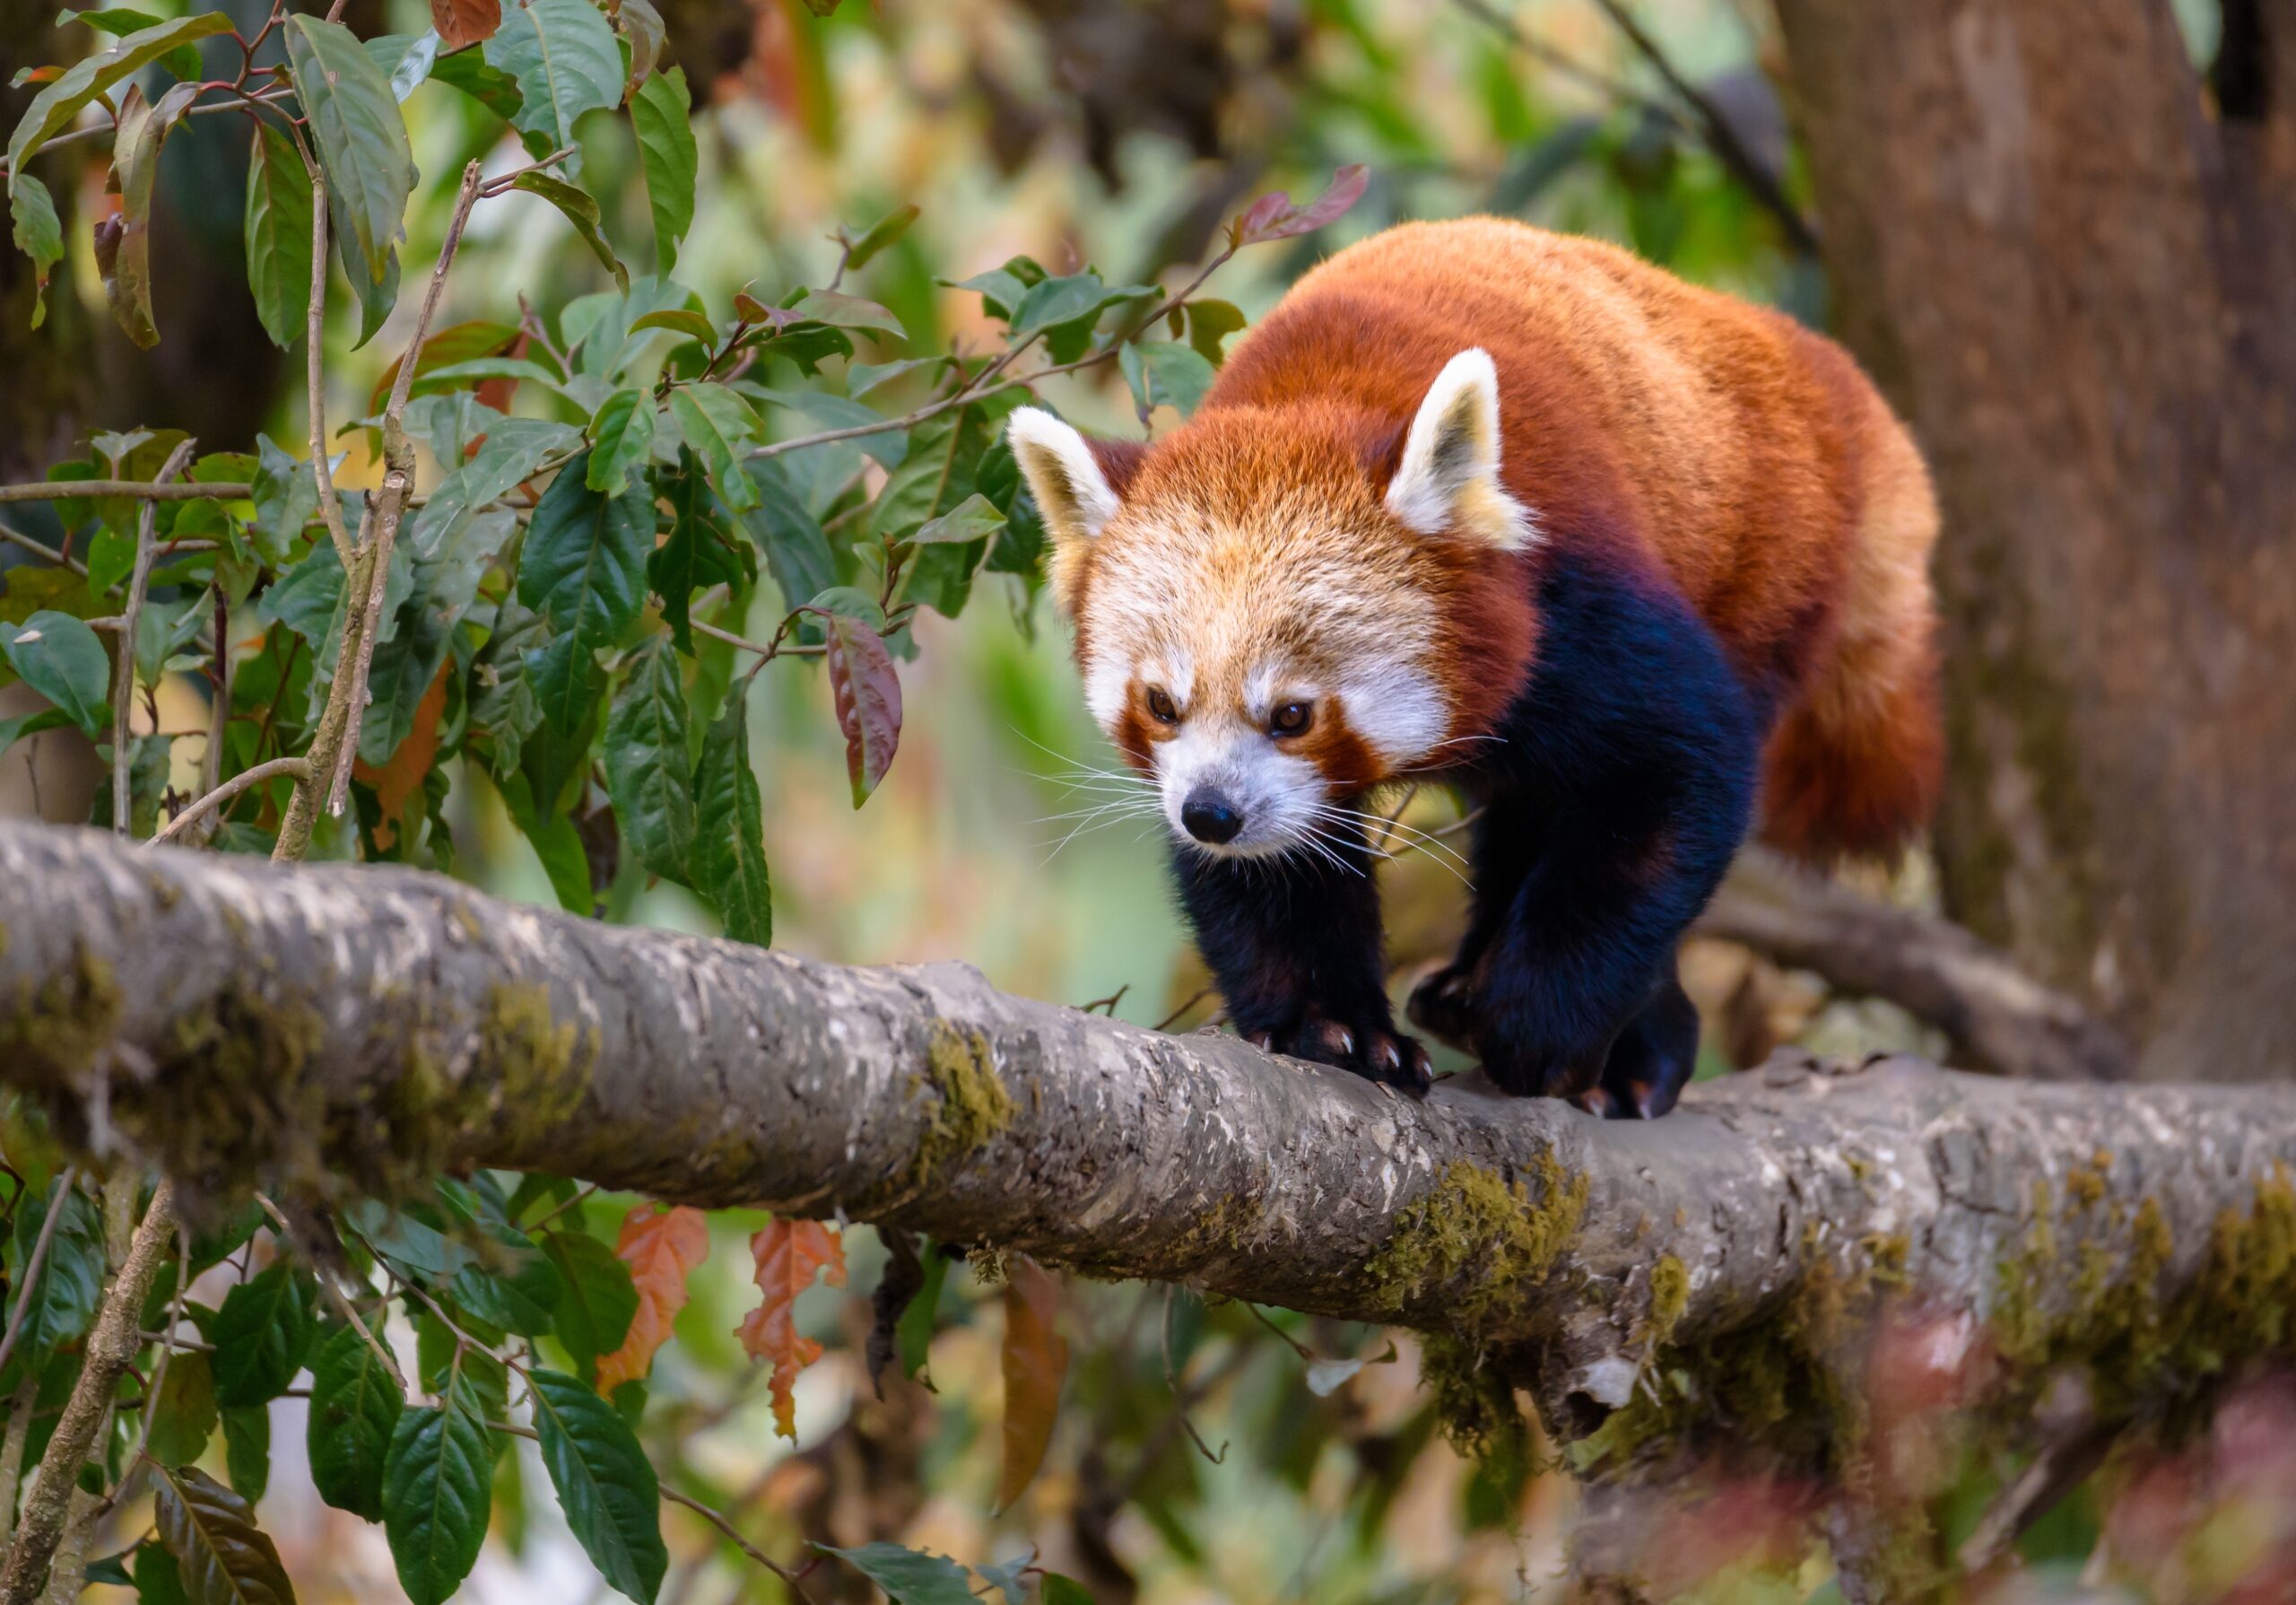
{"x": 1652, "y": 1060}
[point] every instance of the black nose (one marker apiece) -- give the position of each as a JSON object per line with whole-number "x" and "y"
{"x": 1209, "y": 816}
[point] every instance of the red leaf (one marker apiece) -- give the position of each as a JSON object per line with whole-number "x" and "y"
{"x": 1036, "y": 1362}
{"x": 868, "y": 691}
{"x": 398, "y": 781}
{"x": 458, "y": 343}
{"x": 1274, "y": 217}
{"x": 788, "y": 1253}
{"x": 461, "y": 23}
{"x": 661, "y": 1247}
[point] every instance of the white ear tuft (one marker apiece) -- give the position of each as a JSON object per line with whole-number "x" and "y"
{"x": 1072, "y": 493}
{"x": 1448, "y": 481}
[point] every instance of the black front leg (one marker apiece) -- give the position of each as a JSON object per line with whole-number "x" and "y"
{"x": 1294, "y": 943}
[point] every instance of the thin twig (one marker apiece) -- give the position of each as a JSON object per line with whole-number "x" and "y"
{"x": 1721, "y": 135}
{"x": 30, "y": 1280}
{"x": 300, "y": 768}
{"x": 286, "y": 1229}
{"x": 133, "y": 490}
{"x": 123, "y": 679}
{"x": 314, "y": 364}
{"x": 1172, "y": 1381}
{"x": 167, "y": 1343}
{"x": 766, "y": 651}
{"x": 105, "y": 130}
{"x": 390, "y": 504}
{"x": 790, "y": 1579}
{"x": 62, "y": 560}
{"x": 110, "y": 1347}
{"x": 1200, "y": 994}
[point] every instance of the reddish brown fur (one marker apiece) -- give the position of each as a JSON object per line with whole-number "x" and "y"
{"x": 1717, "y": 442}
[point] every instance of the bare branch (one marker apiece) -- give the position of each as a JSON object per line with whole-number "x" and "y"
{"x": 123, "y": 678}
{"x": 314, "y": 364}
{"x": 33, "y": 1266}
{"x": 110, "y": 1347}
{"x": 133, "y": 490}
{"x": 1995, "y": 1016}
{"x": 193, "y": 812}
{"x": 18, "y": 538}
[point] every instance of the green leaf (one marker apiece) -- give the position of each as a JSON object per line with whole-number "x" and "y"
{"x": 406, "y": 58}
{"x": 60, "y": 658}
{"x": 56, "y": 107}
{"x": 60, "y": 1308}
{"x": 796, "y": 548}
{"x": 722, "y": 428}
{"x": 470, "y": 72}
{"x": 683, "y": 320}
{"x": 278, "y": 228}
{"x": 849, "y": 311}
{"x": 729, "y": 865}
{"x": 974, "y": 518}
{"x": 1057, "y": 302}
{"x": 621, "y": 438}
{"x": 514, "y": 1285}
{"x": 12, "y": 730}
{"x": 376, "y": 298}
{"x": 159, "y": 1581}
{"x": 660, "y": 113}
{"x": 878, "y": 235}
{"x": 516, "y": 450}
{"x": 261, "y": 1335}
{"x": 601, "y": 1300}
{"x": 39, "y": 233}
{"x": 436, "y": 1482}
{"x": 421, "y": 632}
{"x": 565, "y": 62}
{"x": 938, "y": 475}
{"x": 606, "y": 1484}
{"x": 580, "y": 210}
{"x": 355, "y": 1407}
{"x": 186, "y": 1417}
{"x": 646, "y": 764}
{"x": 1058, "y": 1590}
{"x": 913, "y": 1331}
{"x": 221, "y": 1556}
{"x": 583, "y": 570}
{"x": 362, "y": 145}
{"x": 908, "y": 1576}
{"x": 1209, "y": 322}
{"x": 286, "y": 495}
{"x": 247, "y": 1451}
{"x": 1164, "y": 372}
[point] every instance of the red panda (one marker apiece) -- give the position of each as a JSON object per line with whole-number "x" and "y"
{"x": 1624, "y": 560}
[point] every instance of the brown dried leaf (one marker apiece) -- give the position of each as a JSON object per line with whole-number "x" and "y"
{"x": 789, "y": 1255}
{"x": 461, "y": 23}
{"x": 661, "y": 1247}
{"x": 1036, "y": 1362}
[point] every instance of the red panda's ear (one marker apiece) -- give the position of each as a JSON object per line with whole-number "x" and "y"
{"x": 1447, "y": 482}
{"x": 1074, "y": 491}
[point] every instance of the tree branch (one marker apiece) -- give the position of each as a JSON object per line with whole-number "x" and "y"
{"x": 123, "y": 680}
{"x": 1996, "y": 1016}
{"x": 110, "y": 1347}
{"x": 329, "y": 1028}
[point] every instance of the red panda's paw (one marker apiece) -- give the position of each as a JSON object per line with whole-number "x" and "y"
{"x": 1443, "y": 1005}
{"x": 1366, "y": 1046}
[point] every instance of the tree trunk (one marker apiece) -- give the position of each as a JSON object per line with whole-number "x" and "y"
{"x": 2077, "y": 280}
{"x": 1654, "y": 1286}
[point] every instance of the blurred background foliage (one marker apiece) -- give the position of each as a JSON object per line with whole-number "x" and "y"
{"x": 1200, "y": 1455}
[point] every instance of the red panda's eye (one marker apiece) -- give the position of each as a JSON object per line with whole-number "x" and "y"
{"x": 1291, "y": 718}
{"x": 1160, "y": 705}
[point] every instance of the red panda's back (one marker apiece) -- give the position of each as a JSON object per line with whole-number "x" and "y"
{"x": 1747, "y": 455}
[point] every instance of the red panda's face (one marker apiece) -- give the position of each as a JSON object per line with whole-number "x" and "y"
{"x": 1262, "y": 630}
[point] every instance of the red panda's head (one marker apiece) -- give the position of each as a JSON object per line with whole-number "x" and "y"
{"x": 1277, "y": 609}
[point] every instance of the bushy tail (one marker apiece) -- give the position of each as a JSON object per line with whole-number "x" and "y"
{"x": 1854, "y": 765}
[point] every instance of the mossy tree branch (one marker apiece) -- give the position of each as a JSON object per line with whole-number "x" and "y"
{"x": 328, "y": 1027}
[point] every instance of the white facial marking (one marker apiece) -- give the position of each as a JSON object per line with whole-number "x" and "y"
{"x": 1398, "y": 709}
{"x": 1106, "y": 682}
{"x": 1276, "y": 792}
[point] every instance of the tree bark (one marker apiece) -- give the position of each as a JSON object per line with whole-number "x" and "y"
{"x": 328, "y": 1028}
{"x": 2077, "y": 280}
